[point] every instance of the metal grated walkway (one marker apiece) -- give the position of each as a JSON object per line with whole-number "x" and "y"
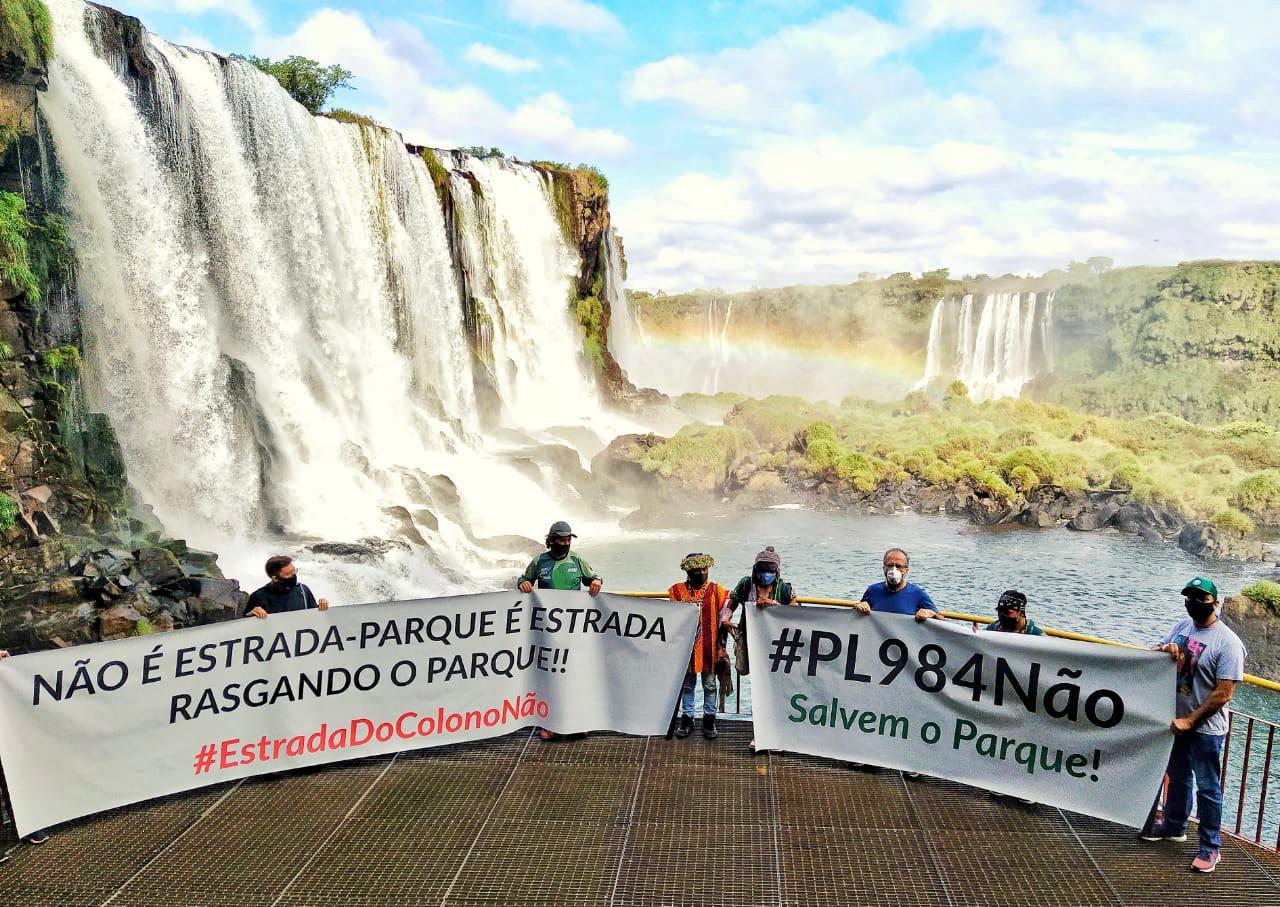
{"x": 612, "y": 820}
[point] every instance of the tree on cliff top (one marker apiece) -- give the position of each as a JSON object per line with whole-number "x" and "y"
{"x": 309, "y": 83}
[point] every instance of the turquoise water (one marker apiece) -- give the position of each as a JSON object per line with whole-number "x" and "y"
{"x": 1102, "y": 583}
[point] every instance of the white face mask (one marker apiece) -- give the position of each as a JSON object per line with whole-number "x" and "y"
{"x": 893, "y": 575}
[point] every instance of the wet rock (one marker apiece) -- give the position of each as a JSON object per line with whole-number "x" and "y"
{"x": 158, "y": 566}
{"x": 515, "y": 544}
{"x": 1207, "y": 541}
{"x": 404, "y": 523}
{"x": 932, "y": 499}
{"x": 988, "y": 511}
{"x": 121, "y": 621}
{"x": 1089, "y": 521}
{"x": 211, "y": 601}
{"x": 350, "y": 551}
{"x": 1038, "y": 516}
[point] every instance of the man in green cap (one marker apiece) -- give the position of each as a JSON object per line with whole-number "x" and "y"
{"x": 557, "y": 568}
{"x": 1210, "y": 659}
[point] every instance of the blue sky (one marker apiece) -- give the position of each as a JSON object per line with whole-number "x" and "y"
{"x": 762, "y": 142}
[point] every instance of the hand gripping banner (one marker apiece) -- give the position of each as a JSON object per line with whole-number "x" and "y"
{"x": 1072, "y": 724}
{"x": 170, "y": 712}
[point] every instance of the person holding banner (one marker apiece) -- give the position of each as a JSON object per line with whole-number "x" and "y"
{"x": 36, "y": 837}
{"x": 1210, "y": 659}
{"x": 557, "y": 568}
{"x": 1011, "y": 615}
{"x": 895, "y": 595}
{"x": 764, "y": 587}
{"x": 283, "y": 592}
{"x": 708, "y": 646}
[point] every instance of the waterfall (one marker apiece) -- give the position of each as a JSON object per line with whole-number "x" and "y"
{"x": 996, "y": 348}
{"x": 273, "y": 319}
{"x": 718, "y": 349}
{"x": 622, "y": 322}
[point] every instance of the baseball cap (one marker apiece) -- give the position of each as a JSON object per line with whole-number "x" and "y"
{"x": 1201, "y": 584}
{"x": 560, "y": 529}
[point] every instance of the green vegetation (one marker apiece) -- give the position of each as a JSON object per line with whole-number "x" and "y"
{"x": 590, "y": 314}
{"x": 307, "y": 82}
{"x": 1264, "y": 592}
{"x": 8, "y": 513}
{"x": 482, "y": 152}
{"x": 15, "y": 262}
{"x": 343, "y": 115}
{"x": 699, "y": 456}
{"x": 1001, "y": 449}
{"x": 1259, "y": 491}
{"x": 439, "y": 175}
{"x": 61, "y": 359}
{"x": 26, "y": 32}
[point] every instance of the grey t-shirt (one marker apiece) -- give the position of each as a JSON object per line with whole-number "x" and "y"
{"x": 1208, "y": 655}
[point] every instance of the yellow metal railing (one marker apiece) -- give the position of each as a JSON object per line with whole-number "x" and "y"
{"x": 1251, "y": 679}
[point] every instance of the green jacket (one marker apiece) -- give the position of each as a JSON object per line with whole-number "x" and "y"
{"x": 783, "y": 593}
{"x": 570, "y": 572}
{"x": 1031, "y": 630}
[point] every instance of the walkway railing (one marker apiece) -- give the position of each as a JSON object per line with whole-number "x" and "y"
{"x": 1247, "y": 754}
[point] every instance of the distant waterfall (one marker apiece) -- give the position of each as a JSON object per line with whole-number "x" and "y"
{"x": 719, "y": 351}
{"x": 996, "y": 348}
{"x": 273, "y": 318}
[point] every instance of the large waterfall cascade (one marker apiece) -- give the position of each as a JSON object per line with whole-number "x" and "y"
{"x": 273, "y": 321}
{"x": 996, "y": 347}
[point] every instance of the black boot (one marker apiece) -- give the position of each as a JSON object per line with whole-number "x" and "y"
{"x": 709, "y": 727}
{"x": 686, "y": 726}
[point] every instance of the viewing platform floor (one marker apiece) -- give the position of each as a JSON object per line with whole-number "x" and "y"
{"x": 612, "y": 820}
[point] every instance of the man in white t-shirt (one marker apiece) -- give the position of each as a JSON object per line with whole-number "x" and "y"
{"x": 1210, "y": 658}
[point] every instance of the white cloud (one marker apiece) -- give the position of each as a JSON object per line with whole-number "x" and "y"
{"x": 818, "y": 211}
{"x": 487, "y": 55}
{"x": 245, "y": 10}
{"x": 568, "y": 15}
{"x": 783, "y": 79}
{"x": 400, "y": 78}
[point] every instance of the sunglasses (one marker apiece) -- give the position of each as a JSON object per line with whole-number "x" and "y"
{"x": 1009, "y": 607}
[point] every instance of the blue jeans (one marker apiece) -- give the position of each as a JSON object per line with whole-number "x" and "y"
{"x": 709, "y": 695}
{"x": 1199, "y": 757}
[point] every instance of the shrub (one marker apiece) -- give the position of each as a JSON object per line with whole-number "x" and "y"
{"x": 1023, "y": 478}
{"x": 343, "y": 115}
{"x": 1260, "y": 490}
{"x": 1128, "y": 476}
{"x": 1264, "y": 592}
{"x": 956, "y": 391}
{"x": 860, "y": 471}
{"x": 15, "y": 260}
{"x": 820, "y": 431}
{"x": 822, "y": 455}
{"x": 8, "y": 513}
{"x": 307, "y": 82}
{"x": 984, "y": 478}
{"x": 26, "y": 32}
{"x": 61, "y": 358}
{"x": 1231, "y": 520}
{"x": 699, "y": 456}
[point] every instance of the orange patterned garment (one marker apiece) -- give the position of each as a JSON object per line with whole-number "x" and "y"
{"x": 711, "y": 598}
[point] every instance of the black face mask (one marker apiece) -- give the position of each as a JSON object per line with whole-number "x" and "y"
{"x": 560, "y": 550}
{"x": 1009, "y": 621}
{"x": 1200, "y": 611}
{"x": 289, "y": 583}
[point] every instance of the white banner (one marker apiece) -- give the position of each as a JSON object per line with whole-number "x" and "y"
{"x": 93, "y": 727}
{"x": 1073, "y": 724}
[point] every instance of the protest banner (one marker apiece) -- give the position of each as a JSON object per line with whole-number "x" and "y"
{"x": 1076, "y": 725}
{"x": 98, "y": 726}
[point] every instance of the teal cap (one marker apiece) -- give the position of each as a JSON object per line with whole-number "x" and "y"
{"x": 1201, "y": 584}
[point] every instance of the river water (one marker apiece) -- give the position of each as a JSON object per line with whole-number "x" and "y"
{"x": 1101, "y": 583}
